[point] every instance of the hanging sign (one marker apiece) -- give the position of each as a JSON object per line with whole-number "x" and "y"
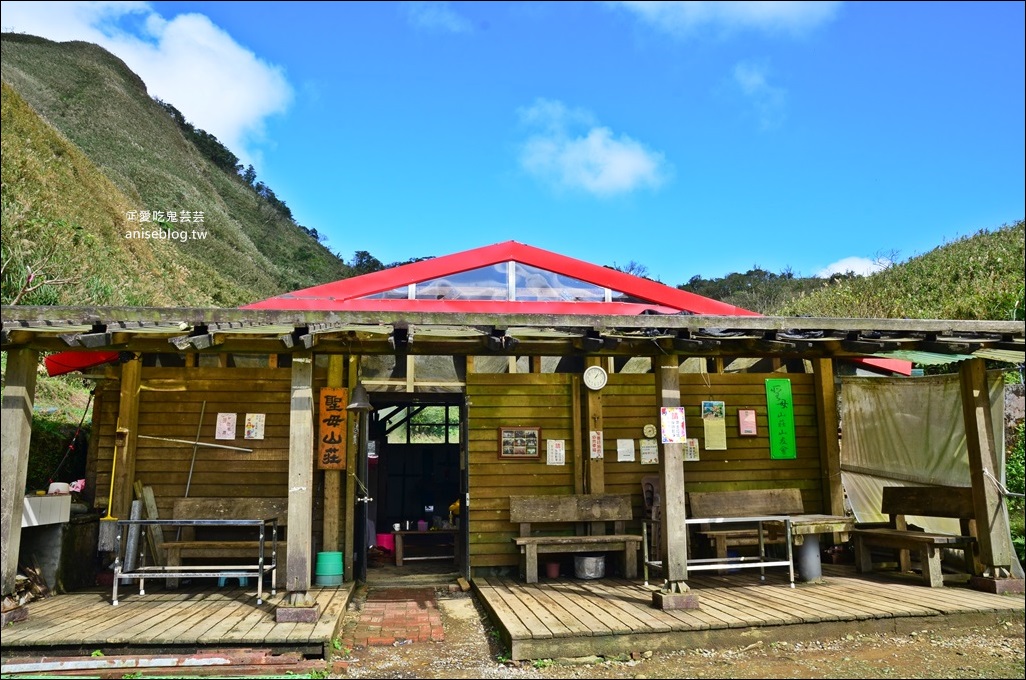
{"x": 331, "y": 428}
{"x": 780, "y": 414}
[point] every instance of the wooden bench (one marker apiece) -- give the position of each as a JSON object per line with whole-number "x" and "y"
{"x": 923, "y": 501}
{"x": 746, "y": 503}
{"x": 596, "y": 510}
{"x": 212, "y": 542}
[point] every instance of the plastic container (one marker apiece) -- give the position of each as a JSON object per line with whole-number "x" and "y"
{"x": 385, "y": 542}
{"x": 422, "y": 525}
{"x": 589, "y": 566}
{"x": 328, "y": 571}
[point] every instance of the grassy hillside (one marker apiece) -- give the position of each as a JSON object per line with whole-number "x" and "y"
{"x": 118, "y": 151}
{"x": 975, "y": 277}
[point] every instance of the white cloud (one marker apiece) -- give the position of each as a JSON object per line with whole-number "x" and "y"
{"x": 685, "y": 18}
{"x": 438, "y": 16}
{"x": 217, "y": 84}
{"x": 859, "y": 265}
{"x": 770, "y": 101}
{"x": 570, "y": 150}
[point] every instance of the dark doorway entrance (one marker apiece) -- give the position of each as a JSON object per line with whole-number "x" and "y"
{"x": 415, "y": 478}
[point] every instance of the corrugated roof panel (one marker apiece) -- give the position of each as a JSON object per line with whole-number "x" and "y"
{"x": 924, "y": 358}
{"x": 1009, "y": 356}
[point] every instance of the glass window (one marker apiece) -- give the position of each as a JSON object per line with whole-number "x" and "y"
{"x": 535, "y": 284}
{"x": 419, "y": 424}
{"x": 486, "y": 283}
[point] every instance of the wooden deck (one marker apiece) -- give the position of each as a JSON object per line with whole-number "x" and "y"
{"x": 573, "y": 617}
{"x": 172, "y": 621}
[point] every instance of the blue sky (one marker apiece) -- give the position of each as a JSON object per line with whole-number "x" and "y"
{"x": 691, "y": 138}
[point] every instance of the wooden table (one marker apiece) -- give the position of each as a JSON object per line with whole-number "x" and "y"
{"x": 400, "y": 538}
{"x": 805, "y": 530}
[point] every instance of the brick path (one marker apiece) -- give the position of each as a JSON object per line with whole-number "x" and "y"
{"x": 396, "y": 615}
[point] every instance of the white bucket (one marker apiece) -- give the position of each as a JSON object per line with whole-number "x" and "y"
{"x": 59, "y": 488}
{"x": 589, "y": 566}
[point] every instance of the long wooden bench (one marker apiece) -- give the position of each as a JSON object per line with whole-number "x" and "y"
{"x": 898, "y": 503}
{"x": 745, "y": 503}
{"x": 211, "y": 543}
{"x": 584, "y": 512}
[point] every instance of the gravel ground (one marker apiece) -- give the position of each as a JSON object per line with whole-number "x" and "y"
{"x": 471, "y": 650}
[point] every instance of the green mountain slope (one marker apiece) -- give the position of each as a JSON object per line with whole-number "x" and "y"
{"x": 101, "y": 109}
{"x": 975, "y": 277}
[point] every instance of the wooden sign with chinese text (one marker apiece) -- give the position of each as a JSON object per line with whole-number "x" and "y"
{"x": 331, "y": 428}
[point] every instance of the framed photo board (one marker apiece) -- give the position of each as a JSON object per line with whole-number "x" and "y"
{"x": 520, "y": 442}
{"x": 746, "y": 422}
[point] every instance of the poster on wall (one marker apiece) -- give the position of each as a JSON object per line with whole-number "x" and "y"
{"x": 746, "y": 422}
{"x": 780, "y": 415}
{"x": 671, "y": 424}
{"x": 555, "y": 452}
{"x": 691, "y": 450}
{"x": 714, "y": 424}
{"x": 331, "y": 428}
{"x": 225, "y": 428}
{"x": 597, "y": 445}
{"x": 649, "y": 451}
{"x": 255, "y": 425}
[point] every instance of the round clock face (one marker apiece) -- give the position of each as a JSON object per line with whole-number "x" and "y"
{"x": 650, "y": 430}
{"x": 595, "y": 377}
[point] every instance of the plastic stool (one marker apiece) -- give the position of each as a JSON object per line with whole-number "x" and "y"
{"x": 243, "y": 581}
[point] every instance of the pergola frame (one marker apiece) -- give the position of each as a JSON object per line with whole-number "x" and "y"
{"x": 27, "y": 331}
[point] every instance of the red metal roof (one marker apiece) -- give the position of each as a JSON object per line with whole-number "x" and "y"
{"x": 347, "y": 294}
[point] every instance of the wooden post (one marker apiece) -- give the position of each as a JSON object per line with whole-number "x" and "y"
{"x": 991, "y": 516}
{"x": 829, "y": 446}
{"x": 352, "y": 459}
{"x": 578, "y": 439}
{"x": 300, "y": 495}
{"x": 675, "y": 591}
{"x": 15, "y": 436}
{"x": 333, "y": 478}
{"x": 128, "y": 418}
{"x": 595, "y": 468}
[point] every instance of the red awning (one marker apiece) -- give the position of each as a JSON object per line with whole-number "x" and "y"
{"x": 66, "y": 362}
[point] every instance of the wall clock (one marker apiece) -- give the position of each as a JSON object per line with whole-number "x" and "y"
{"x": 650, "y": 430}
{"x": 595, "y": 377}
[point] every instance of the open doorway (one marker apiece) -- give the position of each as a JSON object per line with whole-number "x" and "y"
{"x": 416, "y": 480}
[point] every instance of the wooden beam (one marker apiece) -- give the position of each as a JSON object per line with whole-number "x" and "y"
{"x": 300, "y": 494}
{"x": 15, "y": 436}
{"x": 128, "y": 419}
{"x": 578, "y": 431}
{"x": 991, "y": 517}
{"x": 333, "y": 478}
{"x": 352, "y": 460}
{"x": 595, "y": 468}
{"x": 671, "y": 467}
{"x": 829, "y": 446}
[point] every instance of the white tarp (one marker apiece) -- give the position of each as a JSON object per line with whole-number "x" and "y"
{"x": 909, "y": 432}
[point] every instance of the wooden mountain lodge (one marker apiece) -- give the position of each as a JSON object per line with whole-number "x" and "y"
{"x": 506, "y": 408}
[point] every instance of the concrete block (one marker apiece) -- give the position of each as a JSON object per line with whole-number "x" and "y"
{"x": 661, "y": 600}
{"x": 297, "y": 614}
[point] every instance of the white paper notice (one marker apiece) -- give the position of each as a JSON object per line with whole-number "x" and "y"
{"x": 691, "y": 449}
{"x": 555, "y": 452}
{"x": 596, "y": 445}
{"x": 225, "y": 426}
{"x": 625, "y": 450}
